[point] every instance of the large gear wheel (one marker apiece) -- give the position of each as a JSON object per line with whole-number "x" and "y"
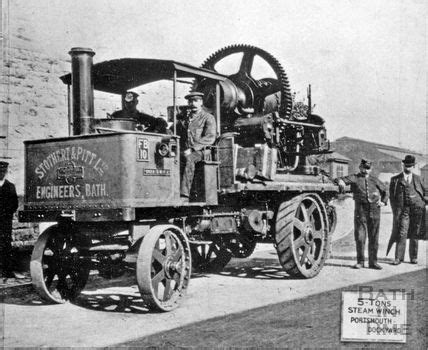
{"x": 257, "y": 91}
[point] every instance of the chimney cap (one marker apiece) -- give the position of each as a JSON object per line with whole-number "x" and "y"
{"x": 76, "y": 50}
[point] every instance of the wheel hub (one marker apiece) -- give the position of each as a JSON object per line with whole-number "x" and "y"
{"x": 308, "y": 235}
{"x": 171, "y": 267}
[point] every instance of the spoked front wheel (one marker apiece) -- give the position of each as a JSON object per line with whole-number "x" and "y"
{"x": 163, "y": 267}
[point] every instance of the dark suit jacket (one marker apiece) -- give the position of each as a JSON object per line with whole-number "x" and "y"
{"x": 376, "y": 189}
{"x": 396, "y": 197}
{"x": 396, "y": 193}
{"x": 8, "y": 205}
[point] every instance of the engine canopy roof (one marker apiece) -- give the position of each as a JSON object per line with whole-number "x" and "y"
{"x": 119, "y": 75}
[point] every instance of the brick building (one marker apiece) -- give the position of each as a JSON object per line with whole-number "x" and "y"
{"x": 387, "y": 160}
{"x": 334, "y": 164}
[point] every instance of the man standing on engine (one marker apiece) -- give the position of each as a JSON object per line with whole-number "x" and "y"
{"x": 369, "y": 195}
{"x": 8, "y": 205}
{"x": 197, "y": 130}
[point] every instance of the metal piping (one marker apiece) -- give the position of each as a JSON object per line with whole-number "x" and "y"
{"x": 82, "y": 90}
{"x": 69, "y": 98}
{"x": 217, "y": 107}
{"x": 174, "y": 101}
{"x": 297, "y": 157}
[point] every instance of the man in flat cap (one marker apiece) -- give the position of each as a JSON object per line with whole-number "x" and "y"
{"x": 197, "y": 129}
{"x": 8, "y": 205}
{"x": 369, "y": 195}
{"x": 407, "y": 196}
{"x": 129, "y": 111}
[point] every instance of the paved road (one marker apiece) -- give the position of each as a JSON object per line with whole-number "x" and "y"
{"x": 112, "y": 313}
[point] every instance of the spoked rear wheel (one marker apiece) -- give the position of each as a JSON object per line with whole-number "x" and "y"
{"x": 163, "y": 267}
{"x": 242, "y": 246}
{"x": 210, "y": 257}
{"x": 301, "y": 236}
{"x": 58, "y": 269}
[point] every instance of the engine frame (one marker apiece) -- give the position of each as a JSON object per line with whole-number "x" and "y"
{"x": 114, "y": 192}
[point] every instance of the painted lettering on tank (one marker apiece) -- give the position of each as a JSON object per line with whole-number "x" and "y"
{"x": 74, "y": 154}
{"x": 96, "y": 190}
{"x": 142, "y": 150}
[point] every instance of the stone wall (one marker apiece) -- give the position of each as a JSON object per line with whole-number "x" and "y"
{"x": 33, "y": 100}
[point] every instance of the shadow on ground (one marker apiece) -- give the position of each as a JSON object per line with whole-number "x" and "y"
{"x": 118, "y": 295}
{"x": 308, "y": 322}
{"x": 350, "y": 261}
{"x": 113, "y": 302}
{"x": 258, "y": 268}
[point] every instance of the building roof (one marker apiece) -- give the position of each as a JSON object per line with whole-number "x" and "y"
{"x": 389, "y": 157}
{"x": 378, "y": 145}
{"x": 336, "y": 156}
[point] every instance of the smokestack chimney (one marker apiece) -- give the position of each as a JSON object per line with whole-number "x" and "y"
{"x": 82, "y": 90}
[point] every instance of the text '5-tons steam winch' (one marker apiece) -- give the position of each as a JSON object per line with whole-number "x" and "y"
{"x": 113, "y": 189}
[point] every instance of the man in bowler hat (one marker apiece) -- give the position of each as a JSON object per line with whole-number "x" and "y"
{"x": 369, "y": 195}
{"x": 197, "y": 129}
{"x": 407, "y": 196}
{"x": 8, "y": 205}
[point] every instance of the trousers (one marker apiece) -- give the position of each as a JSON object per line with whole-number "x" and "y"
{"x": 189, "y": 171}
{"x": 366, "y": 224}
{"x": 6, "y": 251}
{"x": 409, "y": 224}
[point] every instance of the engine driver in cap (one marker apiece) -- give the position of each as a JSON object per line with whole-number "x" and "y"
{"x": 197, "y": 129}
{"x": 129, "y": 111}
{"x": 369, "y": 195}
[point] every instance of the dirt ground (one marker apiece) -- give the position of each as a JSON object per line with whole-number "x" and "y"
{"x": 312, "y": 322}
{"x": 251, "y": 303}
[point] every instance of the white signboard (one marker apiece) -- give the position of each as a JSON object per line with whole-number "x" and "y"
{"x": 374, "y": 317}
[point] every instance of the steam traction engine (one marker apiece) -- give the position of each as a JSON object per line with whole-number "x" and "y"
{"x": 113, "y": 190}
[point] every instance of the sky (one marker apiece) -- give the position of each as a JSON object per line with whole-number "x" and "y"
{"x": 366, "y": 60}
